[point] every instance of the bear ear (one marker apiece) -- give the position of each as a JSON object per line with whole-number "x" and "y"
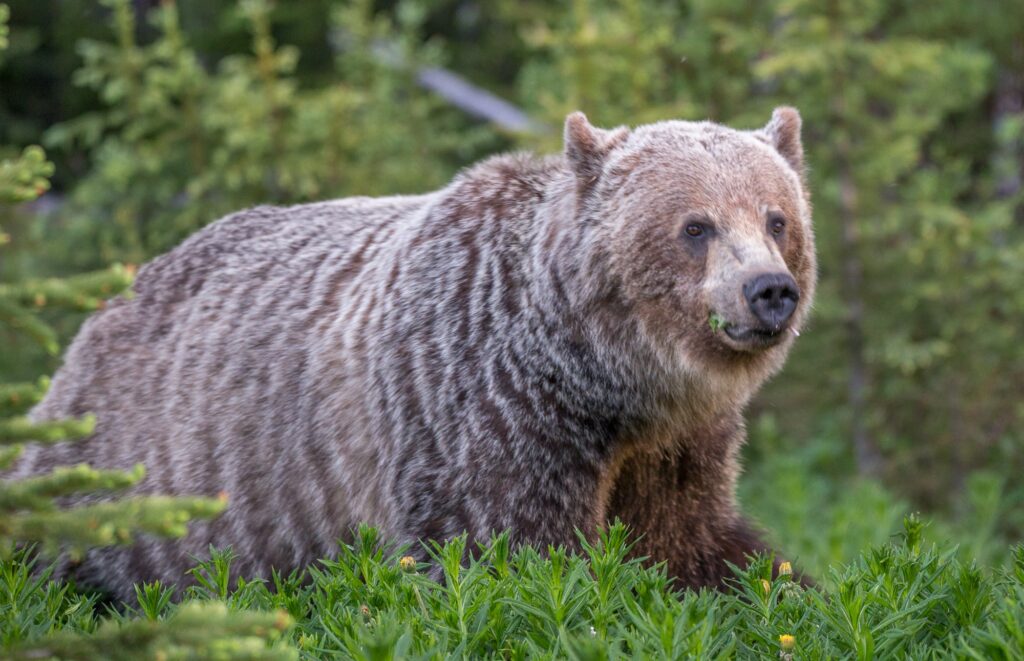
{"x": 586, "y": 148}
{"x": 783, "y": 133}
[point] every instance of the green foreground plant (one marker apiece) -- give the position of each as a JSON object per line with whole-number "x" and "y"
{"x": 901, "y": 599}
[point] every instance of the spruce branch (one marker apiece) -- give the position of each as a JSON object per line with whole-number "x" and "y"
{"x": 84, "y": 292}
{"x": 16, "y": 398}
{"x": 38, "y": 493}
{"x": 26, "y": 177}
{"x": 21, "y": 429}
{"x": 115, "y": 522}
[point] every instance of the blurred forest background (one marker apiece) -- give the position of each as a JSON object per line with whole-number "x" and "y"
{"x": 907, "y": 391}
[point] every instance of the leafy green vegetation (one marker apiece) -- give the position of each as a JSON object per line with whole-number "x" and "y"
{"x": 900, "y": 599}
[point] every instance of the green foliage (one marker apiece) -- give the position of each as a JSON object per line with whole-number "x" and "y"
{"x": 815, "y": 517}
{"x": 885, "y": 164}
{"x": 26, "y": 177}
{"x": 175, "y": 145}
{"x": 29, "y": 510}
{"x": 31, "y": 605}
{"x": 21, "y": 301}
{"x": 195, "y": 631}
{"x": 822, "y": 517}
{"x": 900, "y": 599}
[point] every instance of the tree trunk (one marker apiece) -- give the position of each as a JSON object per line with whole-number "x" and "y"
{"x": 869, "y": 460}
{"x": 1009, "y": 102}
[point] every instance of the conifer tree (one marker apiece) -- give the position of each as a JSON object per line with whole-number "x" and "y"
{"x": 920, "y": 293}
{"x": 29, "y": 511}
{"x": 178, "y": 141}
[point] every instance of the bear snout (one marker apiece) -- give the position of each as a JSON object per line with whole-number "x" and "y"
{"x": 772, "y": 298}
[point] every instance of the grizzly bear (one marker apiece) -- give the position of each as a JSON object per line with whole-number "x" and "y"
{"x": 543, "y": 346}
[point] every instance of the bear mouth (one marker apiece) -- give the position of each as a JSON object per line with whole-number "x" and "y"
{"x": 755, "y": 336}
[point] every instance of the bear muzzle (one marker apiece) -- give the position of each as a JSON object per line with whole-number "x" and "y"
{"x": 772, "y": 298}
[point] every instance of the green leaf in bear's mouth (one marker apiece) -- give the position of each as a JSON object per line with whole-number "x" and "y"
{"x": 716, "y": 322}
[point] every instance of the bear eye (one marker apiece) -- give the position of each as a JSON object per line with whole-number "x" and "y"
{"x": 695, "y": 230}
{"x": 776, "y": 225}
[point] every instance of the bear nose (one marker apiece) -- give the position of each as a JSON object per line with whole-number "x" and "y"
{"x": 772, "y": 298}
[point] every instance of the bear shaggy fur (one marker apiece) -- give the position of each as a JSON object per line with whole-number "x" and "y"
{"x": 542, "y": 346}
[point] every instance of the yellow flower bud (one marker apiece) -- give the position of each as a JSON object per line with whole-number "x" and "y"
{"x": 407, "y": 564}
{"x": 766, "y": 585}
{"x": 785, "y": 569}
{"x": 787, "y": 641}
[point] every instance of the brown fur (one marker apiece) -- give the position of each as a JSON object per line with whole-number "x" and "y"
{"x": 526, "y": 349}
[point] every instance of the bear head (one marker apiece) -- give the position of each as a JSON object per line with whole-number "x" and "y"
{"x": 701, "y": 231}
